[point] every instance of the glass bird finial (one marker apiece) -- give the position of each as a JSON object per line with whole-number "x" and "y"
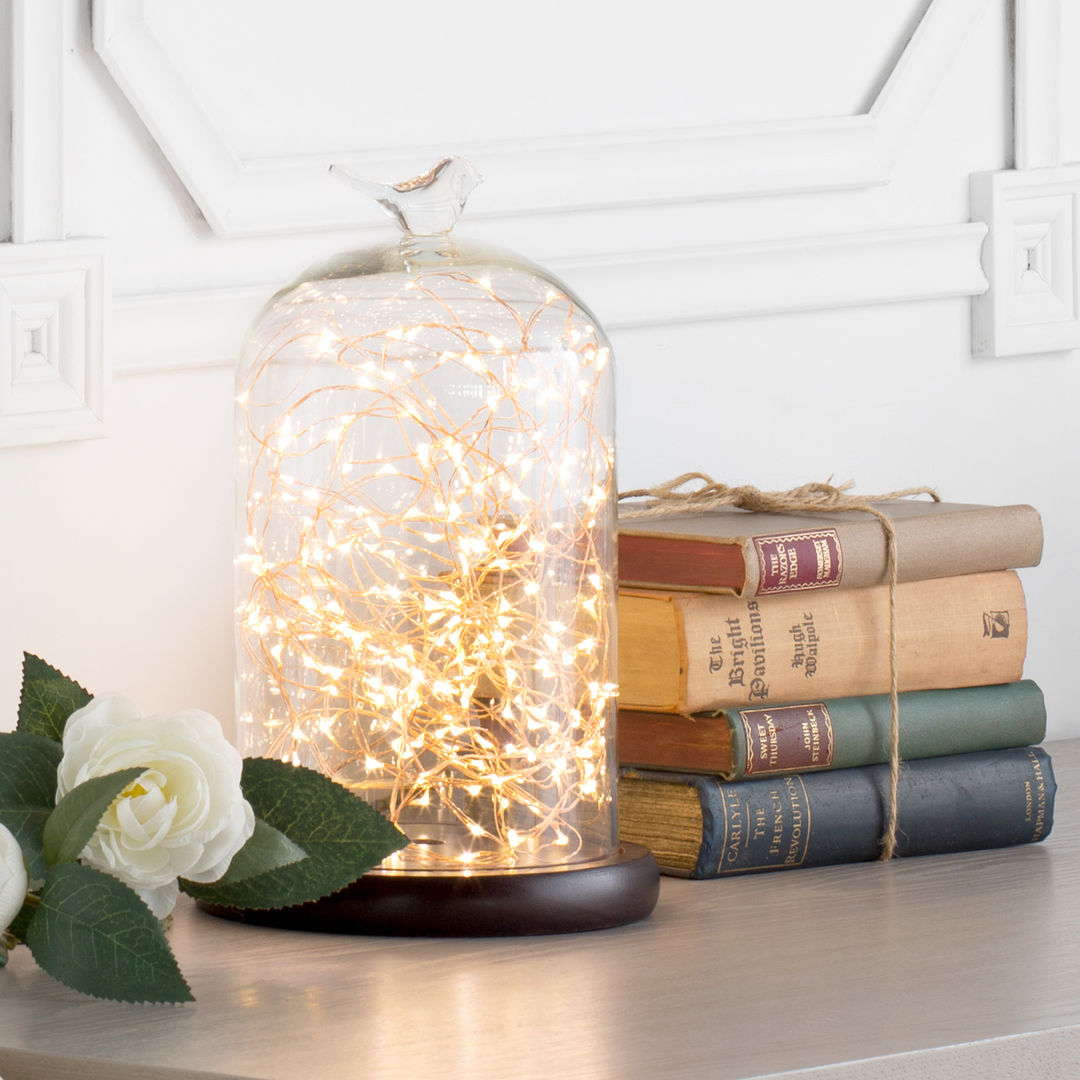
{"x": 427, "y": 205}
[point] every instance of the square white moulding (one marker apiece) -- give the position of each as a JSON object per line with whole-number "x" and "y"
{"x": 52, "y": 326}
{"x": 1030, "y": 258}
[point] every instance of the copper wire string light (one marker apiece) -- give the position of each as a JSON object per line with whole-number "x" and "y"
{"x": 427, "y": 624}
{"x": 425, "y": 574}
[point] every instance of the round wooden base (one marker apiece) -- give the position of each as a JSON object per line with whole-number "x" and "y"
{"x": 618, "y": 890}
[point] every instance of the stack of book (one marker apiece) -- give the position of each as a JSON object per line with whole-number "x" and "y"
{"x": 754, "y": 686}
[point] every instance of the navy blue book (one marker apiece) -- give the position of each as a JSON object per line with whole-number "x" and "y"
{"x": 700, "y": 826}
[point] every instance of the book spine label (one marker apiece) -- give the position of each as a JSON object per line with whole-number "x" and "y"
{"x": 789, "y": 738}
{"x": 961, "y": 540}
{"x": 958, "y": 803}
{"x": 792, "y": 562}
{"x": 766, "y": 827}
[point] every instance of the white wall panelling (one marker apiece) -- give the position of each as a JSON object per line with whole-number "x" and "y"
{"x": 1032, "y": 254}
{"x": 1068, "y": 83}
{"x": 1031, "y": 261}
{"x": 53, "y": 315}
{"x": 634, "y": 289}
{"x": 240, "y": 194}
{"x": 6, "y": 88}
{"x": 782, "y": 247}
{"x": 664, "y": 284}
{"x": 53, "y": 291}
{"x": 735, "y": 281}
{"x": 1037, "y": 109}
{"x": 37, "y": 120}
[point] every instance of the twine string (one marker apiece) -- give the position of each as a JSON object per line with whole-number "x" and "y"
{"x": 674, "y": 498}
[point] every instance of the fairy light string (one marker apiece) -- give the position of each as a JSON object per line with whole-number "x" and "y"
{"x": 426, "y": 605}
{"x": 674, "y": 497}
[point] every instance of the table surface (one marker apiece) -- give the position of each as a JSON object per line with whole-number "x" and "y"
{"x": 971, "y": 962}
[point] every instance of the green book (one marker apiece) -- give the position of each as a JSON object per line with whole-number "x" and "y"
{"x": 837, "y": 733}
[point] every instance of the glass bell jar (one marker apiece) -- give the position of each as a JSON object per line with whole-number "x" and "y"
{"x": 425, "y": 571}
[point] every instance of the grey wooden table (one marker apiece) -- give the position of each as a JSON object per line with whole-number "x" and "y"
{"x": 953, "y": 966}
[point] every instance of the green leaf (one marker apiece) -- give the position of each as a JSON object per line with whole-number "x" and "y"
{"x": 48, "y": 698}
{"x": 28, "y": 765}
{"x": 70, "y": 826}
{"x": 95, "y": 935}
{"x": 266, "y": 849}
{"x": 342, "y": 835}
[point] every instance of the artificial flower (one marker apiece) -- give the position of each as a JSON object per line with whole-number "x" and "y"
{"x": 186, "y": 816}
{"x": 12, "y": 878}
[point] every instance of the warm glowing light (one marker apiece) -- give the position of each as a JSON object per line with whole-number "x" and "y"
{"x": 424, "y": 600}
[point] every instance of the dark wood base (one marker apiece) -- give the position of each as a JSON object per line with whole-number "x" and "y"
{"x": 595, "y": 896}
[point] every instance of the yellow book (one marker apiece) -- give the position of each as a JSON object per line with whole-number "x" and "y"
{"x": 685, "y": 652}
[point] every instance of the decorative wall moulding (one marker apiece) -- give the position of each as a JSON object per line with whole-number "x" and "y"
{"x": 635, "y": 289}
{"x": 37, "y": 120}
{"x": 1031, "y": 260}
{"x": 190, "y": 331}
{"x": 53, "y": 309}
{"x": 772, "y": 278}
{"x": 241, "y": 195}
{"x": 1037, "y": 81}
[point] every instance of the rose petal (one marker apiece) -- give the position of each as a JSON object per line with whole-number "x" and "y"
{"x": 160, "y": 899}
{"x": 13, "y": 881}
{"x": 220, "y": 850}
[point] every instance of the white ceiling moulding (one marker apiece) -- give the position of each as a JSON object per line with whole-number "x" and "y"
{"x": 205, "y": 329}
{"x": 1032, "y": 261}
{"x": 241, "y": 196}
{"x": 53, "y": 308}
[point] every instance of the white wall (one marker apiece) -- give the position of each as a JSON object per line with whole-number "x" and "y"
{"x": 789, "y": 299}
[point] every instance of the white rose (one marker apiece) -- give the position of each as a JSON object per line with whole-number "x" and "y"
{"x": 12, "y": 878}
{"x": 184, "y": 817}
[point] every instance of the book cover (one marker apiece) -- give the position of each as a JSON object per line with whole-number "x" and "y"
{"x": 760, "y": 554}
{"x": 702, "y": 827}
{"x": 834, "y": 734}
{"x": 689, "y": 652}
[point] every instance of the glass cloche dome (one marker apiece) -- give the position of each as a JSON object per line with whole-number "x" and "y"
{"x": 426, "y": 543}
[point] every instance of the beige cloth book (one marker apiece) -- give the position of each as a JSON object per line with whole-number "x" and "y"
{"x": 758, "y": 554}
